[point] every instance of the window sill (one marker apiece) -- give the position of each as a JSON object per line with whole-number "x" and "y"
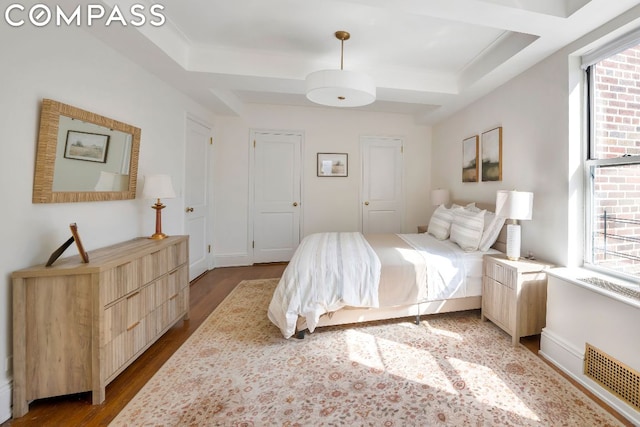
{"x": 574, "y": 275}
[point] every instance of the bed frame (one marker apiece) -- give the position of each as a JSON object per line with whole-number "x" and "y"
{"x": 358, "y": 315}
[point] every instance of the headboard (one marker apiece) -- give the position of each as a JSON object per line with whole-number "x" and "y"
{"x": 501, "y": 242}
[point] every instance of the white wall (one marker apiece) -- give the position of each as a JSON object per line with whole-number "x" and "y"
{"x": 72, "y": 67}
{"x": 327, "y": 204}
{"x": 570, "y": 327}
{"x": 532, "y": 110}
{"x": 540, "y": 112}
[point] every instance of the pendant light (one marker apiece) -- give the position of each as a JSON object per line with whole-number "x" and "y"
{"x": 341, "y": 88}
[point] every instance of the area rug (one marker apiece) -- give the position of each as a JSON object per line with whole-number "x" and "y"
{"x": 451, "y": 370}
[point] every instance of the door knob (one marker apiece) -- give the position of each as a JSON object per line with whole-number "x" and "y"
{"x": 295, "y": 203}
{"x": 189, "y": 210}
{"x": 366, "y": 203}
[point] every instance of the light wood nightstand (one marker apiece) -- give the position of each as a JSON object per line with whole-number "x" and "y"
{"x": 422, "y": 228}
{"x": 514, "y": 295}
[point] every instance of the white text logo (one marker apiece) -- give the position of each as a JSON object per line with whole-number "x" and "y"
{"x": 41, "y": 15}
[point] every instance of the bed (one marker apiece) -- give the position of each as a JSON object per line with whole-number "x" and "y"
{"x": 347, "y": 277}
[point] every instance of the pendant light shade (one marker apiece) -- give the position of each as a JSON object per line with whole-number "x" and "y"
{"x": 340, "y": 88}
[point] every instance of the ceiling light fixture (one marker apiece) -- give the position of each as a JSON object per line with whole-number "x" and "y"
{"x": 341, "y": 88}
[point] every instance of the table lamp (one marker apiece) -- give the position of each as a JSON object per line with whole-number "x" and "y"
{"x": 514, "y": 205}
{"x": 158, "y": 187}
{"x": 440, "y": 197}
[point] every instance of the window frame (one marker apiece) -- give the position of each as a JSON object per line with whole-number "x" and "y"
{"x": 590, "y": 164}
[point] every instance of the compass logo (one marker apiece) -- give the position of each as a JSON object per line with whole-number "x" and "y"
{"x": 41, "y": 15}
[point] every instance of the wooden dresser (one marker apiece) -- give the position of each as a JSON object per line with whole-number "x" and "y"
{"x": 77, "y": 326}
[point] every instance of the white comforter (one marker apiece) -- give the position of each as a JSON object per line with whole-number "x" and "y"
{"x": 327, "y": 272}
{"x": 444, "y": 268}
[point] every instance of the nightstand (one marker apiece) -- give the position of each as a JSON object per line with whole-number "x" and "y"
{"x": 514, "y": 295}
{"x": 422, "y": 228}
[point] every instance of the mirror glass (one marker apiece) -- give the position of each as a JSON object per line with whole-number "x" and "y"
{"x": 83, "y": 156}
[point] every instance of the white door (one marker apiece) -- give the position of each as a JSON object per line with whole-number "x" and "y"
{"x": 382, "y": 189}
{"x": 198, "y": 144}
{"x": 276, "y": 200}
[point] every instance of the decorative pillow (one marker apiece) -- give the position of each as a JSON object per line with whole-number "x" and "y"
{"x": 440, "y": 223}
{"x": 470, "y": 206}
{"x": 467, "y": 228}
{"x": 492, "y": 226}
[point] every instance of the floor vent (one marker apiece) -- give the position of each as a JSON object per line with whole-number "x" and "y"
{"x": 613, "y": 375}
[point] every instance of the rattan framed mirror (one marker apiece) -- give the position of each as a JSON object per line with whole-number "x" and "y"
{"x": 84, "y": 157}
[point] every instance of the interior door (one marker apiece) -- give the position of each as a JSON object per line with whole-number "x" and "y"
{"x": 276, "y": 200}
{"x": 382, "y": 189}
{"x": 198, "y": 138}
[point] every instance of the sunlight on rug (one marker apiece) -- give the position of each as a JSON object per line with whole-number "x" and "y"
{"x": 451, "y": 370}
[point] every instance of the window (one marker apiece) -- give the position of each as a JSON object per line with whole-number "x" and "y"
{"x": 613, "y": 163}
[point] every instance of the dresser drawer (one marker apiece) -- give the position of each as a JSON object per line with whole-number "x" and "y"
{"x": 504, "y": 275}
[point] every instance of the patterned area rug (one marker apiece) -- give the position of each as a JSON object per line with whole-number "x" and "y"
{"x": 451, "y": 370}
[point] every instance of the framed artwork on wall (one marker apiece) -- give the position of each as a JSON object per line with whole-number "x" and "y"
{"x": 470, "y": 159}
{"x": 91, "y": 147}
{"x": 492, "y": 155}
{"x": 333, "y": 164}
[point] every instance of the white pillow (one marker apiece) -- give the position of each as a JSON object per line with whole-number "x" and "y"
{"x": 467, "y": 228}
{"x": 492, "y": 226}
{"x": 470, "y": 206}
{"x": 440, "y": 223}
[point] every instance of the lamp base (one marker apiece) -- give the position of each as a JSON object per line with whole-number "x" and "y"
{"x": 513, "y": 242}
{"x": 158, "y": 236}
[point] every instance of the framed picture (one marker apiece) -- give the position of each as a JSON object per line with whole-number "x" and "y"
{"x": 91, "y": 147}
{"x": 333, "y": 164}
{"x": 76, "y": 237}
{"x": 492, "y": 155}
{"x": 470, "y": 159}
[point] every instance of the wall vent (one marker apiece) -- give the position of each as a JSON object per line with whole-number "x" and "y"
{"x": 613, "y": 375}
{"x": 613, "y": 287}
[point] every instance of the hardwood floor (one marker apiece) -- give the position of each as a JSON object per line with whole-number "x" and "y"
{"x": 206, "y": 293}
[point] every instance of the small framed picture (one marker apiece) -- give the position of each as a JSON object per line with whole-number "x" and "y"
{"x": 333, "y": 164}
{"x": 74, "y": 232}
{"x": 470, "y": 159}
{"x": 492, "y": 155}
{"x": 91, "y": 147}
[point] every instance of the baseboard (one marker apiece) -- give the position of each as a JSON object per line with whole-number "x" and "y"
{"x": 561, "y": 353}
{"x": 5, "y": 400}
{"x": 232, "y": 260}
{"x": 570, "y": 360}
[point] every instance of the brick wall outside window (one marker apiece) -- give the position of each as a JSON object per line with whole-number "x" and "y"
{"x": 617, "y": 188}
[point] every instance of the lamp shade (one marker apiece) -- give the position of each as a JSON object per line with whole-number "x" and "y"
{"x": 158, "y": 187}
{"x": 340, "y": 88}
{"x": 514, "y": 204}
{"x": 439, "y": 197}
{"x": 111, "y": 181}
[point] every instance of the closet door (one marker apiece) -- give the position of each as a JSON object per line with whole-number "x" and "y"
{"x": 276, "y": 196}
{"x": 382, "y": 189}
{"x": 198, "y": 138}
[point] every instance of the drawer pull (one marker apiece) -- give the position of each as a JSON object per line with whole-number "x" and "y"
{"x": 133, "y": 326}
{"x": 173, "y": 297}
{"x": 133, "y": 295}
